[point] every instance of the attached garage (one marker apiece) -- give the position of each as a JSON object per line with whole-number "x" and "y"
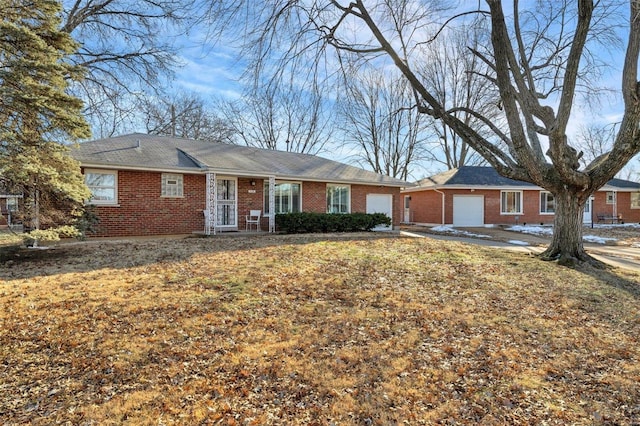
{"x": 381, "y": 203}
{"x": 468, "y": 210}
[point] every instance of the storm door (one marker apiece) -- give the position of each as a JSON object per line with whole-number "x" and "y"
{"x": 227, "y": 202}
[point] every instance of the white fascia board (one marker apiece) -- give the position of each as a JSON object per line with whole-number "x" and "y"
{"x": 609, "y": 188}
{"x": 111, "y": 166}
{"x": 234, "y": 172}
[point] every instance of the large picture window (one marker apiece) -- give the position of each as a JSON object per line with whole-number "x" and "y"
{"x": 287, "y": 197}
{"x": 172, "y": 185}
{"x": 511, "y": 202}
{"x": 635, "y": 200}
{"x": 547, "y": 203}
{"x": 338, "y": 197}
{"x": 103, "y": 185}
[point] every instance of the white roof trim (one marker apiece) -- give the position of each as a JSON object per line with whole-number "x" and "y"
{"x": 232, "y": 172}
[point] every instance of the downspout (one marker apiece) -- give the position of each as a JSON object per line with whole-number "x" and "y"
{"x": 440, "y": 192}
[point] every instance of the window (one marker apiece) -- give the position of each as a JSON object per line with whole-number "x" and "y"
{"x": 611, "y": 197}
{"x": 338, "y": 198}
{"x": 287, "y": 197}
{"x": 547, "y": 203}
{"x": 103, "y": 185}
{"x": 635, "y": 200}
{"x": 171, "y": 185}
{"x": 12, "y": 204}
{"x": 511, "y": 202}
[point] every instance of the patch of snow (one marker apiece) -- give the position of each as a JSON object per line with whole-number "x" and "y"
{"x": 616, "y": 225}
{"x": 518, "y": 242}
{"x": 548, "y": 231}
{"x": 450, "y": 230}
{"x": 533, "y": 230}
{"x": 597, "y": 240}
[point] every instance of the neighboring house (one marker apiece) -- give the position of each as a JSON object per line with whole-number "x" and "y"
{"x": 151, "y": 185}
{"x": 478, "y": 196}
{"x": 10, "y": 207}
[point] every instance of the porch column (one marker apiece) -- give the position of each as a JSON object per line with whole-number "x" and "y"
{"x": 211, "y": 209}
{"x": 272, "y": 204}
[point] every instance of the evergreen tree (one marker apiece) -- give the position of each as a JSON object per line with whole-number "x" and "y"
{"x": 37, "y": 113}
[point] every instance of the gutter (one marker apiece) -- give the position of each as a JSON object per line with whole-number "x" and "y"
{"x": 238, "y": 173}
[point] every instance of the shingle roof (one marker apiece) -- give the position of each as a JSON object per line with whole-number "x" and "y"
{"x": 141, "y": 151}
{"x": 471, "y": 176}
{"x": 478, "y": 176}
{"x": 623, "y": 184}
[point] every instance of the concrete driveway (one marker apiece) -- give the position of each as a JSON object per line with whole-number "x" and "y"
{"x": 617, "y": 256}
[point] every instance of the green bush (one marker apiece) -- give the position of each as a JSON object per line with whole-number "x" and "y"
{"x": 294, "y": 223}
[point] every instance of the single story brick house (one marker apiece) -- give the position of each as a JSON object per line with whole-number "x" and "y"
{"x": 479, "y": 196}
{"x": 154, "y": 185}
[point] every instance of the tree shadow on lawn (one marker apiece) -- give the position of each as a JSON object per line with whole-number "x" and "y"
{"x": 627, "y": 280}
{"x": 92, "y": 255}
{"x": 616, "y": 278}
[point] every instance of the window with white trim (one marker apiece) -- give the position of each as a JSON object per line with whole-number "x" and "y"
{"x": 611, "y": 197}
{"x": 338, "y": 198}
{"x": 12, "y": 204}
{"x": 511, "y": 202}
{"x": 287, "y": 197}
{"x": 103, "y": 185}
{"x": 172, "y": 185}
{"x": 547, "y": 203}
{"x": 635, "y": 200}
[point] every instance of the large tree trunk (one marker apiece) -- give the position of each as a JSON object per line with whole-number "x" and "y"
{"x": 566, "y": 246}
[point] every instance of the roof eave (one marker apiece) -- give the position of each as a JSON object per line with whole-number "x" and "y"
{"x": 239, "y": 173}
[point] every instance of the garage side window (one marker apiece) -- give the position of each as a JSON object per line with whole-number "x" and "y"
{"x": 511, "y": 202}
{"x": 103, "y": 185}
{"x": 338, "y": 198}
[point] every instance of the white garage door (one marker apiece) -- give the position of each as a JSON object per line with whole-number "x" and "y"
{"x": 381, "y": 203}
{"x": 468, "y": 210}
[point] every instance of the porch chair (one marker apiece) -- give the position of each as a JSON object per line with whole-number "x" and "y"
{"x": 253, "y": 218}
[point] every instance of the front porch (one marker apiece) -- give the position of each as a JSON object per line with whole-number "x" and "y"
{"x": 230, "y": 201}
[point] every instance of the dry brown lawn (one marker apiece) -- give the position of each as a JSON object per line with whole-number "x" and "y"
{"x": 359, "y": 329}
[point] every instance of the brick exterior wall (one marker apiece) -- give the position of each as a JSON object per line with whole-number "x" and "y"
{"x": 142, "y": 211}
{"x": 622, "y": 207}
{"x": 426, "y": 207}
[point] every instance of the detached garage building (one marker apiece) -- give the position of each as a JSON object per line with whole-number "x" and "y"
{"x": 478, "y": 196}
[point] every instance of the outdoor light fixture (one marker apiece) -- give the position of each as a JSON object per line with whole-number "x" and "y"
{"x": 253, "y": 183}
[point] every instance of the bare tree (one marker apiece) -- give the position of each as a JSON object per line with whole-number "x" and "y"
{"x": 539, "y": 60}
{"x": 388, "y": 136}
{"x": 184, "y": 115}
{"x": 455, "y": 76}
{"x": 126, "y": 48}
{"x": 280, "y": 117}
{"x": 595, "y": 141}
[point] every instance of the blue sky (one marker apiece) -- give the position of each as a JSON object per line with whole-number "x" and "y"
{"x": 213, "y": 71}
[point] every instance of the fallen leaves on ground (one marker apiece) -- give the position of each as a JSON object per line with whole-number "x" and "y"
{"x": 353, "y": 329}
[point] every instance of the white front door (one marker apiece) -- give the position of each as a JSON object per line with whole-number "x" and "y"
{"x": 407, "y": 209}
{"x": 468, "y": 210}
{"x": 227, "y": 214}
{"x": 381, "y": 203}
{"x": 587, "y": 216}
